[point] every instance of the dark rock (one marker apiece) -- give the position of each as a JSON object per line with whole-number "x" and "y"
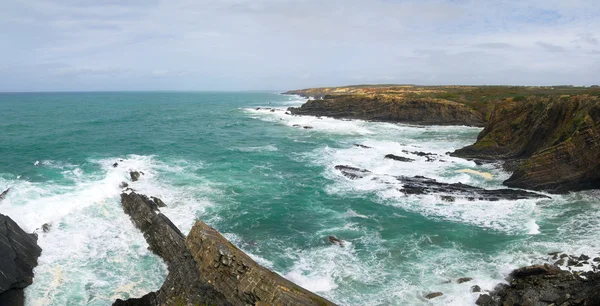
{"x": 46, "y": 227}
{"x": 546, "y": 285}
{"x": 399, "y": 158}
{"x": 135, "y": 175}
{"x": 307, "y": 127}
{"x": 258, "y": 108}
{"x": 18, "y": 256}
{"x": 448, "y": 198}
{"x": 123, "y": 185}
{"x": 475, "y": 288}
{"x": 296, "y": 125}
{"x": 485, "y": 300}
{"x": 4, "y": 193}
{"x": 115, "y": 165}
{"x": 583, "y": 257}
{"x": 158, "y": 202}
{"x": 572, "y": 262}
{"x": 287, "y": 113}
{"x": 272, "y": 111}
{"x": 419, "y": 185}
{"x": 335, "y": 240}
{"x": 433, "y": 295}
{"x": 184, "y": 283}
{"x": 205, "y": 268}
{"x": 361, "y": 146}
{"x": 464, "y": 280}
{"x": 597, "y": 259}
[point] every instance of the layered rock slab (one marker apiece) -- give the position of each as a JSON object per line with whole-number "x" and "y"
{"x": 205, "y": 268}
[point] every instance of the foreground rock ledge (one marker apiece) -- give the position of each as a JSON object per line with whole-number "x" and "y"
{"x": 18, "y": 256}
{"x": 545, "y": 285}
{"x": 206, "y": 268}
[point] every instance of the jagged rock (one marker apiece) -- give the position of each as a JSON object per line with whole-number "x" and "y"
{"x": 135, "y": 175}
{"x": 335, "y": 240}
{"x": 4, "y": 193}
{"x": 115, "y": 165}
{"x": 399, "y": 158}
{"x": 184, "y": 283}
{"x": 361, "y": 146}
{"x": 18, "y": 256}
{"x": 433, "y": 295}
{"x": 419, "y": 185}
{"x": 390, "y": 108}
{"x": 555, "y": 142}
{"x": 123, "y": 185}
{"x": 158, "y": 202}
{"x": 205, "y": 268}
{"x": 545, "y": 285}
{"x": 464, "y": 280}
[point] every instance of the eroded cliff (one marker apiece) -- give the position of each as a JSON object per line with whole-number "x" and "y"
{"x": 391, "y": 108}
{"x": 555, "y": 142}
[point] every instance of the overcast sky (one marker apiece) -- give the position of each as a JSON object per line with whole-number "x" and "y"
{"x": 278, "y": 44}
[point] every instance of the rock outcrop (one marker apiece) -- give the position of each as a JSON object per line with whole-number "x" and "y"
{"x": 18, "y": 256}
{"x": 544, "y": 285}
{"x": 390, "y": 108}
{"x": 553, "y": 144}
{"x": 419, "y": 185}
{"x": 205, "y": 268}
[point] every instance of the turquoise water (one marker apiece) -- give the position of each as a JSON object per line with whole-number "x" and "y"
{"x": 272, "y": 189}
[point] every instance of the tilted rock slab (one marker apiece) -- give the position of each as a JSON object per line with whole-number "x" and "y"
{"x": 18, "y": 256}
{"x": 205, "y": 268}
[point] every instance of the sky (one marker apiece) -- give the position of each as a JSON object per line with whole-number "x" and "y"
{"x": 78, "y": 45}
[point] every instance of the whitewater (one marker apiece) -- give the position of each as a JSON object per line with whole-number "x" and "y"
{"x": 266, "y": 180}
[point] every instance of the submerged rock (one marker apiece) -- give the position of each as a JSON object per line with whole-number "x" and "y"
{"x": 335, "y": 240}
{"x": 46, "y": 227}
{"x": 135, "y": 175}
{"x": 419, "y": 185}
{"x": 361, "y": 146}
{"x": 4, "y": 193}
{"x": 115, "y": 165}
{"x": 464, "y": 280}
{"x": 19, "y": 253}
{"x": 433, "y": 295}
{"x": 399, "y": 158}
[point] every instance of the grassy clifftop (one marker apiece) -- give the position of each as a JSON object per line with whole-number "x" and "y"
{"x": 482, "y": 99}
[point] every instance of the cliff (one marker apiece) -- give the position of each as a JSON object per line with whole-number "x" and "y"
{"x": 554, "y": 142}
{"x": 18, "y": 256}
{"x": 392, "y": 108}
{"x": 205, "y": 268}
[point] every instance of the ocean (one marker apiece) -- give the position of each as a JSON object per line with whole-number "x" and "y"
{"x": 236, "y": 161}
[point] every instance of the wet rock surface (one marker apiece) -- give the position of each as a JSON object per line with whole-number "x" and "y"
{"x": 545, "y": 285}
{"x": 4, "y": 193}
{"x": 399, "y": 158}
{"x": 419, "y": 185}
{"x": 18, "y": 256}
{"x": 205, "y": 268}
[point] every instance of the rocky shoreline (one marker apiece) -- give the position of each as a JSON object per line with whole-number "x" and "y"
{"x": 204, "y": 267}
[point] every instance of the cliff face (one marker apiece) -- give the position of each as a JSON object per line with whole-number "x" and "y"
{"x": 18, "y": 256}
{"x": 205, "y": 268}
{"x": 390, "y": 108}
{"x": 555, "y": 140}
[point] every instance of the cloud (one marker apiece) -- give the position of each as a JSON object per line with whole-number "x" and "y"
{"x": 550, "y": 47}
{"x": 278, "y": 44}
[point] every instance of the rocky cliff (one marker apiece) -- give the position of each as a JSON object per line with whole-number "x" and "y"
{"x": 18, "y": 256}
{"x": 392, "y": 108}
{"x": 554, "y": 142}
{"x": 205, "y": 268}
